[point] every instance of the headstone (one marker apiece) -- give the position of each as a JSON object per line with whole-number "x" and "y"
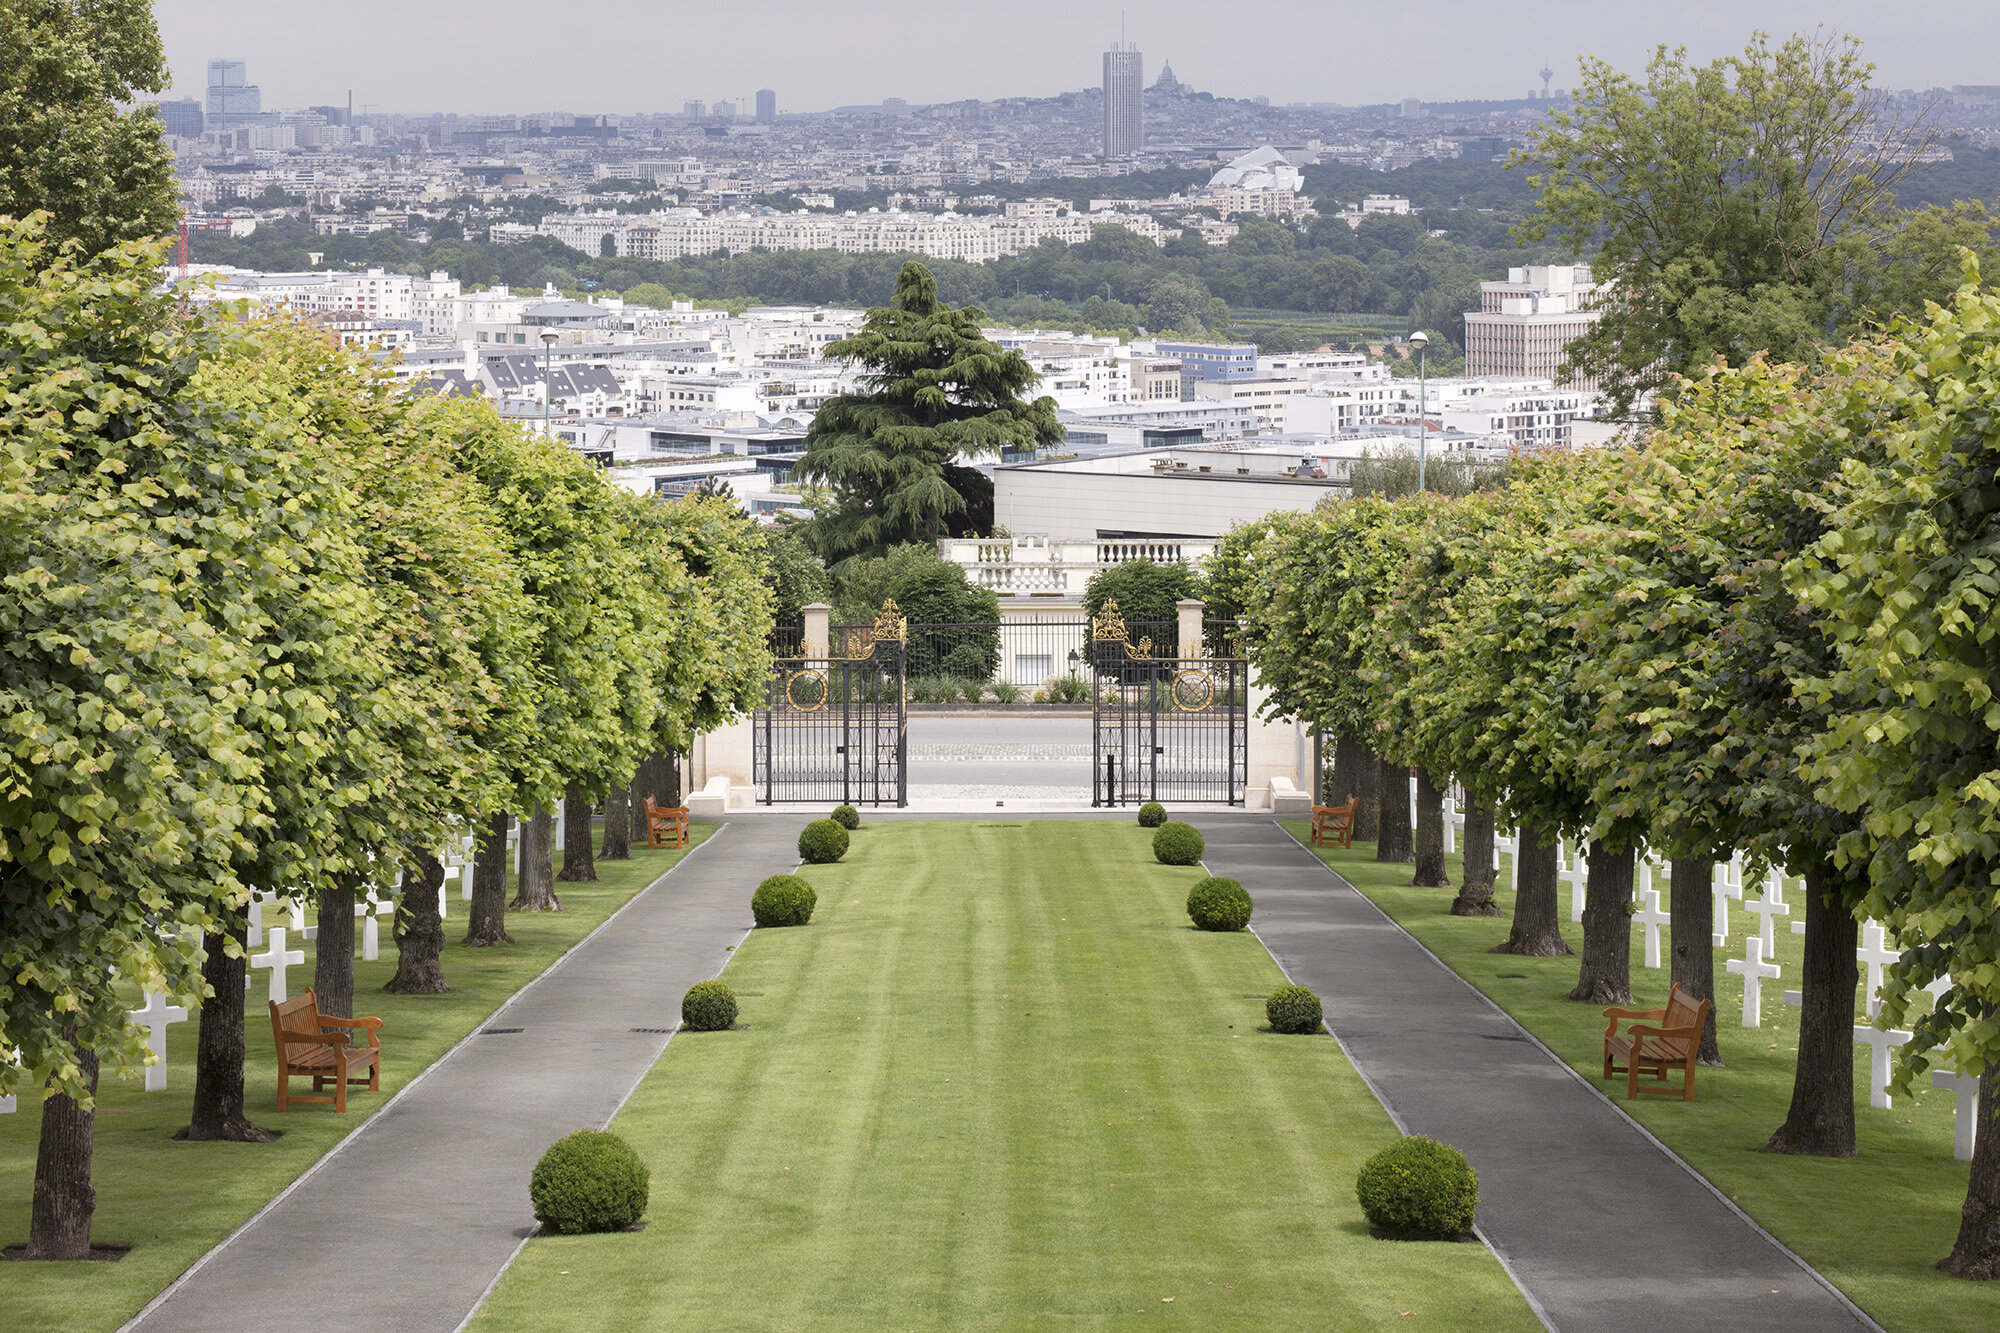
{"x": 277, "y": 958}
{"x": 295, "y": 904}
{"x": 155, "y": 1017}
{"x": 1873, "y": 955}
{"x": 372, "y": 911}
{"x": 1755, "y": 972}
{"x": 1652, "y": 918}
{"x": 1454, "y": 820}
{"x": 1510, "y": 843}
{"x": 1768, "y": 909}
{"x": 1880, "y": 1045}
{"x": 1728, "y": 884}
{"x": 1964, "y": 1110}
{"x": 1573, "y": 870}
{"x": 257, "y": 903}
{"x": 7, "y": 1103}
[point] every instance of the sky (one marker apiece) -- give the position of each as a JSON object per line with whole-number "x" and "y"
{"x": 633, "y": 56}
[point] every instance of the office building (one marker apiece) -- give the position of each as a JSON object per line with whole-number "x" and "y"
{"x": 182, "y": 119}
{"x": 230, "y": 100}
{"x": 1210, "y": 361}
{"x": 1124, "y": 100}
{"x": 767, "y": 106}
{"x": 1524, "y": 326}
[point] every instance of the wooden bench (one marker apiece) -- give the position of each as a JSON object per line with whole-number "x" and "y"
{"x": 1335, "y": 823}
{"x": 666, "y": 826}
{"x": 305, "y": 1049}
{"x": 1673, "y": 1043}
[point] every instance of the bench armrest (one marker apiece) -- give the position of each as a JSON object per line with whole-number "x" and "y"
{"x": 1638, "y": 1030}
{"x": 1613, "y": 1015}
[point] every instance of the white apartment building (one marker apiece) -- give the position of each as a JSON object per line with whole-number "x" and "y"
{"x": 1524, "y": 326}
{"x": 1267, "y": 399}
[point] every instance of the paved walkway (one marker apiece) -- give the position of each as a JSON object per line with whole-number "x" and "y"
{"x": 1600, "y": 1226}
{"x": 407, "y": 1223}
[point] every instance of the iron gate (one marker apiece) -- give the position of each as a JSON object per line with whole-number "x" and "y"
{"x": 1165, "y": 728}
{"x": 834, "y": 729}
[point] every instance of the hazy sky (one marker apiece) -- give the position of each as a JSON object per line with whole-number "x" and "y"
{"x": 625, "y": 56}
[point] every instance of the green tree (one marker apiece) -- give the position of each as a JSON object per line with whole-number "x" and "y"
{"x": 1146, "y": 592}
{"x": 68, "y": 145}
{"x": 1737, "y": 202}
{"x": 938, "y": 392}
{"x": 1906, "y": 576}
{"x": 796, "y": 578}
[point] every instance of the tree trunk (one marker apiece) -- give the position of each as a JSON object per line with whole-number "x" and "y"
{"x": 1428, "y": 837}
{"x": 1977, "y": 1253}
{"x": 419, "y": 928}
{"x": 333, "y": 956}
{"x": 1534, "y": 931}
{"x": 1392, "y": 835}
{"x": 486, "y": 924}
{"x": 1691, "y": 936}
{"x": 1606, "y": 974}
{"x": 536, "y": 890}
{"x": 1475, "y": 889}
{"x": 1357, "y": 773}
{"x": 579, "y": 867}
{"x": 1821, "y": 1120}
{"x": 218, "y": 1058}
{"x": 64, "y": 1198}
{"x": 617, "y": 826}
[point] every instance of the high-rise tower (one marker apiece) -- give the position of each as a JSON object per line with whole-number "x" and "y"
{"x": 767, "y": 106}
{"x": 229, "y": 98}
{"x": 1124, "y": 100}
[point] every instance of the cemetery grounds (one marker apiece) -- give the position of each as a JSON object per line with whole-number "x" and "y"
{"x": 1874, "y": 1225}
{"x": 173, "y": 1202}
{"x": 999, "y": 1081}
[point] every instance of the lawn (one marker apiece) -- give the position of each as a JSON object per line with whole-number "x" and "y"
{"x": 1000, "y": 1082}
{"x": 1874, "y": 1224}
{"x": 172, "y": 1202}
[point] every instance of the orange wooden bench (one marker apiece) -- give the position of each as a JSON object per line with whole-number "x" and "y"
{"x": 1335, "y": 823}
{"x": 666, "y": 826}
{"x": 1672, "y": 1044}
{"x": 327, "y": 1057}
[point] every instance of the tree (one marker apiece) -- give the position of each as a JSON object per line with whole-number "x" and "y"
{"x": 68, "y": 145}
{"x": 1743, "y": 205}
{"x": 1148, "y": 594}
{"x": 1905, "y": 576}
{"x": 937, "y": 392}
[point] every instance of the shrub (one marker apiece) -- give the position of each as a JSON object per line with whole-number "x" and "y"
{"x": 1216, "y": 903}
{"x": 1293, "y": 1009}
{"x": 973, "y": 690}
{"x": 846, "y": 816}
{"x": 1004, "y": 691}
{"x": 822, "y": 842}
{"x": 590, "y": 1181}
{"x": 1418, "y": 1189}
{"x": 1177, "y": 844}
{"x": 1152, "y": 814}
{"x": 1064, "y": 690}
{"x": 783, "y": 900}
{"x": 708, "y": 1007}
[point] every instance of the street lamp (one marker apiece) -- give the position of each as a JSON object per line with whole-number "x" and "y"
{"x": 548, "y": 345}
{"x": 1419, "y": 340}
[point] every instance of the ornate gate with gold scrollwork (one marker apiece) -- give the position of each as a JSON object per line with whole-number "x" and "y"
{"x": 1166, "y": 728}
{"x": 834, "y": 729}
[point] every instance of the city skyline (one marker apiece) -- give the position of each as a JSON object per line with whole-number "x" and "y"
{"x": 457, "y": 57}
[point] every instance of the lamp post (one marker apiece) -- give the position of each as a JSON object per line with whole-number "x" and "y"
{"x": 1419, "y": 340}
{"x": 548, "y": 346}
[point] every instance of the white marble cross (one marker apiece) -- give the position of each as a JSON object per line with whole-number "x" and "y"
{"x": 1454, "y": 820}
{"x": 1728, "y": 884}
{"x": 155, "y": 1017}
{"x": 1770, "y": 907}
{"x": 1652, "y": 918}
{"x": 295, "y": 905}
{"x": 1874, "y": 954}
{"x": 1509, "y": 843}
{"x": 7, "y": 1103}
{"x": 1880, "y": 1046}
{"x": 371, "y": 910}
{"x": 258, "y": 901}
{"x": 1755, "y": 972}
{"x": 1964, "y": 1111}
{"x": 277, "y": 958}
{"x": 1574, "y": 871}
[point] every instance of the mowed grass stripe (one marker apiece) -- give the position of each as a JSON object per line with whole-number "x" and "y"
{"x": 999, "y": 1082}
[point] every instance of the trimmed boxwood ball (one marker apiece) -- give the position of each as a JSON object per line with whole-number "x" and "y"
{"x": 1177, "y": 844}
{"x": 783, "y": 900}
{"x": 1418, "y": 1189}
{"x": 1293, "y": 1009}
{"x": 709, "y": 1006}
{"x": 847, "y": 817}
{"x": 590, "y": 1181}
{"x": 1152, "y": 814}
{"x": 822, "y": 842}
{"x": 1217, "y": 903}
